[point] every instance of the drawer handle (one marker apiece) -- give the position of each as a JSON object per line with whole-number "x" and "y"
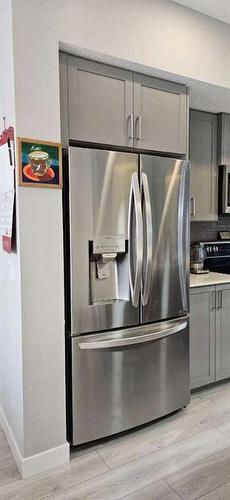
{"x": 132, "y": 339}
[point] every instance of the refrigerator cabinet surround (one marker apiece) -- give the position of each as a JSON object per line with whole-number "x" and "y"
{"x": 126, "y": 378}
{"x": 129, "y": 248}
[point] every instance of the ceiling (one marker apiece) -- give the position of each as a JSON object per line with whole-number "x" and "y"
{"x": 219, "y": 9}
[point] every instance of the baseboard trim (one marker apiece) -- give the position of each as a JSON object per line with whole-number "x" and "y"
{"x": 46, "y": 460}
{"x": 40, "y": 462}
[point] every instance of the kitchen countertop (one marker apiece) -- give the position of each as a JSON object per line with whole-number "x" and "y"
{"x": 208, "y": 279}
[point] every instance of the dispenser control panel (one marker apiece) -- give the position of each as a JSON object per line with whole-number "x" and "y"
{"x": 109, "y": 244}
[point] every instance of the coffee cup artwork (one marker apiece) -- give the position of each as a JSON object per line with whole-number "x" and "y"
{"x": 39, "y": 163}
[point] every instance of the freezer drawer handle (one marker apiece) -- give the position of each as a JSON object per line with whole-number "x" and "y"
{"x": 137, "y": 252}
{"x": 149, "y": 236}
{"x": 139, "y": 339}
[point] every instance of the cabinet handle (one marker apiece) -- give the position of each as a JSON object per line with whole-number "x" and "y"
{"x": 213, "y": 300}
{"x": 139, "y": 128}
{"x": 220, "y": 299}
{"x": 193, "y": 205}
{"x": 131, "y": 126}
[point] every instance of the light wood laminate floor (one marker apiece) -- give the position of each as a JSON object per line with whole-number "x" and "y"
{"x": 183, "y": 456}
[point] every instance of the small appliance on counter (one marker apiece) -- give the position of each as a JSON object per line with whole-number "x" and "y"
{"x": 197, "y": 258}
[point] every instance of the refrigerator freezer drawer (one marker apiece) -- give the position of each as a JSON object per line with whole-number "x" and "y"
{"x": 137, "y": 335}
{"x": 117, "y": 387}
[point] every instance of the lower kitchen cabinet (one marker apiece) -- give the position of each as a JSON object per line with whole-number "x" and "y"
{"x": 222, "y": 332}
{"x": 202, "y": 336}
{"x": 209, "y": 334}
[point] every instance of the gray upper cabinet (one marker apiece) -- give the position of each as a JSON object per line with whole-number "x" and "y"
{"x": 203, "y": 156}
{"x": 202, "y": 336}
{"x": 100, "y": 103}
{"x": 109, "y": 105}
{"x": 160, "y": 109}
{"x": 223, "y": 332}
{"x": 223, "y": 153}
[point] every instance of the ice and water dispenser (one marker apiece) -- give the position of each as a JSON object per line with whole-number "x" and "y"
{"x": 108, "y": 269}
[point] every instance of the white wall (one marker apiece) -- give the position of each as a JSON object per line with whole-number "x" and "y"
{"x": 11, "y": 402}
{"x": 153, "y": 33}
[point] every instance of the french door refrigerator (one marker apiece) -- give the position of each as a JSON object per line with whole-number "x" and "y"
{"x": 129, "y": 270}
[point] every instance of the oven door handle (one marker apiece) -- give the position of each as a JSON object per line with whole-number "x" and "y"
{"x": 102, "y": 343}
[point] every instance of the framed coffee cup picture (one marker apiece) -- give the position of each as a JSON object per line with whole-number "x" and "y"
{"x": 39, "y": 163}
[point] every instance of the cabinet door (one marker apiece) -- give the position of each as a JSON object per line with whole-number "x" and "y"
{"x": 202, "y": 336}
{"x": 223, "y": 332}
{"x": 223, "y": 139}
{"x": 160, "y": 109}
{"x": 100, "y": 103}
{"x": 203, "y": 156}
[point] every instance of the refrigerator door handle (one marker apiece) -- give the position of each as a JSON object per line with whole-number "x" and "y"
{"x": 149, "y": 236}
{"x": 131, "y": 339}
{"x": 183, "y": 269}
{"x": 135, "y": 199}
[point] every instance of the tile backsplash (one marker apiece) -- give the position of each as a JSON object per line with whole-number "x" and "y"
{"x": 208, "y": 230}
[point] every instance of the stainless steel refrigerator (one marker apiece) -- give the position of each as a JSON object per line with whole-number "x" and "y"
{"x": 129, "y": 271}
